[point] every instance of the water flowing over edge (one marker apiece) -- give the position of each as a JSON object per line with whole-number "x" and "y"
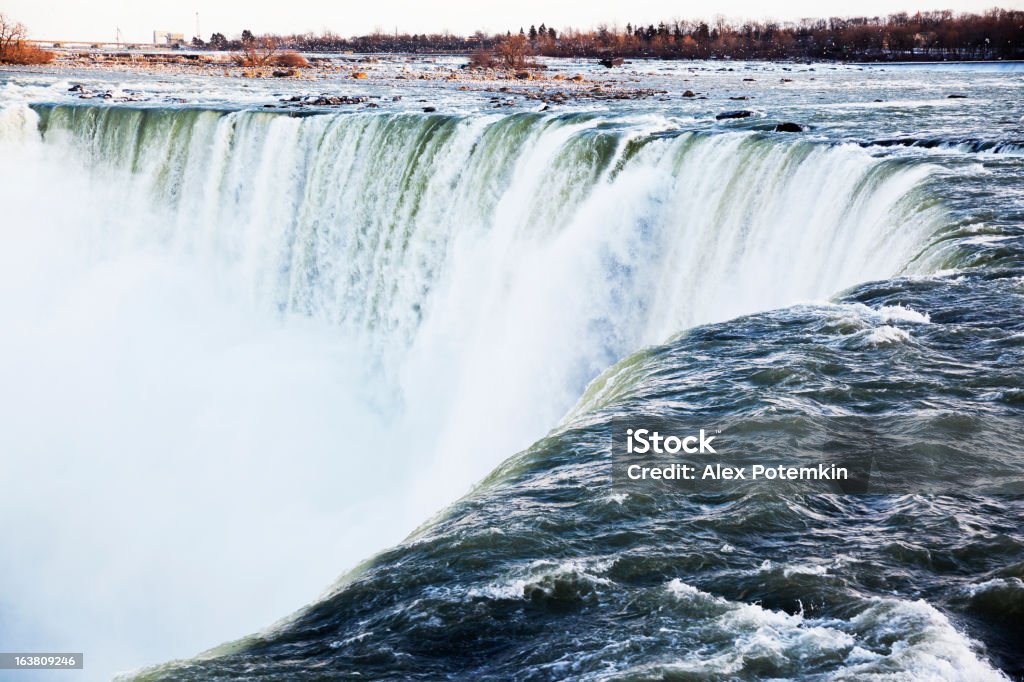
{"x": 529, "y": 252}
{"x": 564, "y": 241}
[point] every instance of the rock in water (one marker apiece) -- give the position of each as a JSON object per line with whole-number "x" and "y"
{"x": 789, "y": 128}
{"x": 738, "y": 113}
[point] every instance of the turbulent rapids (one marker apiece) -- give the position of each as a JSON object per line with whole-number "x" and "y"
{"x": 382, "y": 307}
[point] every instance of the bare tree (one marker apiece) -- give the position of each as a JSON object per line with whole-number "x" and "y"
{"x": 14, "y": 49}
{"x": 12, "y": 34}
{"x": 481, "y": 59}
{"x": 512, "y": 51}
{"x": 257, "y": 51}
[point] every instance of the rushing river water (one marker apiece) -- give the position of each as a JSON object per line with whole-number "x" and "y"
{"x": 246, "y": 349}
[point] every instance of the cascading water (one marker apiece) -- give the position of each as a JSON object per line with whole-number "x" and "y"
{"x": 525, "y": 253}
{"x": 463, "y": 279}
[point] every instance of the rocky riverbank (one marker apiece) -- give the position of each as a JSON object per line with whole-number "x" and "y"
{"x": 532, "y": 83}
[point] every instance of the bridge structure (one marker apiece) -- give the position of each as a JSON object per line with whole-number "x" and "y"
{"x": 107, "y": 46}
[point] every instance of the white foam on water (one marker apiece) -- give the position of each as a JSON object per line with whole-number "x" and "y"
{"x": 543, "y": 576}
{"x": 995, "y": 584}
{"x": 802, "y": 569}
{"x": 891, "y": 639}
{"x": 899, "y": 313}
{"x": 887, "y": 335}
{"x": 913, "y": 641}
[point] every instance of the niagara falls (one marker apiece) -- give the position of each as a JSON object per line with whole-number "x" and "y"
{"x": 386, "y": 357}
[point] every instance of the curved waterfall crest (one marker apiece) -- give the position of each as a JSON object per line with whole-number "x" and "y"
{"x": 365, "y": 219}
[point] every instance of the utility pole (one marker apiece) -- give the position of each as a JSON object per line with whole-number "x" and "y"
{"x": 117, "y": 36}
{"x": 198, "y": 33}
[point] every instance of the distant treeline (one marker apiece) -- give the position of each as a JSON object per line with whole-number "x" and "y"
{"x": 940, "y": 35}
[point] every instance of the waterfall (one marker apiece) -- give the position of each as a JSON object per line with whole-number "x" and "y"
{"x": 286, "y": 328}
{"x": 506, "y": 260}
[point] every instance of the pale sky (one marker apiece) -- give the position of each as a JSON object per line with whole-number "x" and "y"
{"x": 96, "y": 20}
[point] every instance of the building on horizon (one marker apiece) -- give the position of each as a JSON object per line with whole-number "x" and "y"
{"x": 168, "y": 38}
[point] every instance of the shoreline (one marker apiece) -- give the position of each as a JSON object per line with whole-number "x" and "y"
{"x": 329, "y": 80}
{"x": 533, "y": 81}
